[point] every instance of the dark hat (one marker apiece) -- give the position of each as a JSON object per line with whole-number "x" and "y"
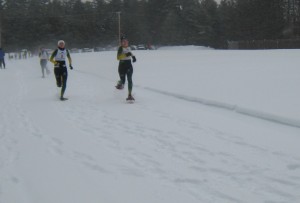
{"x": 123, "y": 38}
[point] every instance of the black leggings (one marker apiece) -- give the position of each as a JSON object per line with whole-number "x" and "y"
{"x": 2, "y": 62}
{"x": 61, "y": 76}
{"x": 126, "y": 70}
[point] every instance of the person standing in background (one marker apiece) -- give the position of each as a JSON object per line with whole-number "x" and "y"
{"x": 44, "y": 57}
{"x": 2, "y": 61}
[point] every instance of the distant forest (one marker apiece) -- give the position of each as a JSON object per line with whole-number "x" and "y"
{"x": 34, "y": 23}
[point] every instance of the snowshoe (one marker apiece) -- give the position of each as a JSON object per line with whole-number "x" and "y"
{"x": 63, "y": 99}
{"x": 130, "y": 99}
{"x": 120, "y": 86}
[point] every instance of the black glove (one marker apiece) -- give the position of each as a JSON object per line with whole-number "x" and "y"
{"x": 128, "y": 54}
{"x": 133, "y": 59}
{"x": 71, "y": 67}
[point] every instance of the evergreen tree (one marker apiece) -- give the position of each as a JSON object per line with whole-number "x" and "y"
{"x": 1, "y": 5}
{"x": 15, "y": 23}
{"x": 37, "y": 21}
{"x": 208, "y": 22}
{"x": 1, "y": 19}
{"x": 155, "y": 16}
{"x": 134, "y": 22}
{"x": 170, "y": 27}
{"x": 100, "y": 29}
{"x": 33, "y": 23}
{"x": 260, "y": 19}
{"x": 77, "y": 23}
{"x": 228, "y": 20}
{"x": 189, "y": 23}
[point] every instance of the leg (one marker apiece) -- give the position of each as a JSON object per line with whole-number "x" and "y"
{"x": 57, "y": 74}
{"x": 129, "y": 79}
{"x": 43, "y": 71}
{"x": 43, "y": 66}
{"x": 122, "y": 74}
{"x": 64, "y": 82}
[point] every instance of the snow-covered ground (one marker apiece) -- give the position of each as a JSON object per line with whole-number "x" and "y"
{"x": 207, "y": 126}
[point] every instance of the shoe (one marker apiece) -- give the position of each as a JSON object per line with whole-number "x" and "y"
{"x": 120, "y": 86}
{"x": 130, "y": 98}
{"x": 63, "y": 98}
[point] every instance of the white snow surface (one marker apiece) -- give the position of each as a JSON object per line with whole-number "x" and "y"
{"x": 207, "y": 126}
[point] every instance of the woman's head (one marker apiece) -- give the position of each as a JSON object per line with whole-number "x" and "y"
{"x": 124, "y": 41}
{"x": 61, "y": 44}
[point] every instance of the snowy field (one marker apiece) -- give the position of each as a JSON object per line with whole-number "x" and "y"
{"x": 208, "y": 126}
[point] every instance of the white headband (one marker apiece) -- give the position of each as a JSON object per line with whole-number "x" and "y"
{"x": 60, "y": 41}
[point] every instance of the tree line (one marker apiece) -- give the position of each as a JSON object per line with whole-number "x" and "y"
{"x": 34, "y": 23}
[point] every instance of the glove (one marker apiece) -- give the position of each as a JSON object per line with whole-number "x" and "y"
{"x": 71, "y": 67}
{"x": 128, "y": 54}
{"x": 133, "y": 59}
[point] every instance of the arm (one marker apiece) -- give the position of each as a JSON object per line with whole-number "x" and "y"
{"x": 52, "y": 60}
{"x": 69, "y": 57}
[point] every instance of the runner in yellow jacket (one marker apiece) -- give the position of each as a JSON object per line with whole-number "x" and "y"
{"x": 125, "y": 68}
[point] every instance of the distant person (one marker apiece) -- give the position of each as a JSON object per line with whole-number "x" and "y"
{"x": 2, "y": 62}
{"x": 10, "y": 56}
{"x": 24, "y": 55}
{"x": 125, "y": 68}
{"x": 58, "y": 58}
{"x": 44, "y": 57}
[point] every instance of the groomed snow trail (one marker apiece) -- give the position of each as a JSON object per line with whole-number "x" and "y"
{"x": 97, "y": 148}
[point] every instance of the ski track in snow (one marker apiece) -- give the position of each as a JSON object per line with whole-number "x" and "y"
{"x": 90, "y": 132}
{"x": 232, "y": 107}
